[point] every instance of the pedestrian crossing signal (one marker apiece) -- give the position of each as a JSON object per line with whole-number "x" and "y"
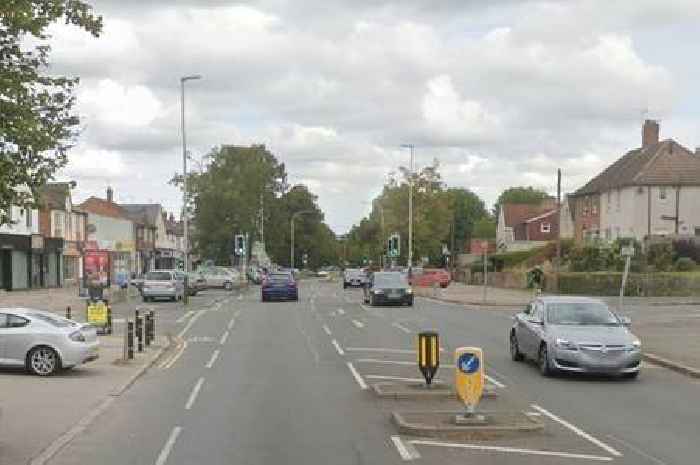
{"x": 428, "y": 355}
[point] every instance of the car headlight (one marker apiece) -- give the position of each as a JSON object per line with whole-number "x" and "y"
{"x": 636, "y": 345}
{"x": 378, "y": 291}
{"x": 409, "y": 291}
{"x": 566, "y": 344}
{"x": 77, "y": 336}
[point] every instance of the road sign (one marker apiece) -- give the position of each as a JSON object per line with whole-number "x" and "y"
{"x": 469, "y": 375}
{"x": 394, "y": 245}
{"x": 627, "y": 251}
{"x": 428, "y": 354}
{"x": 97, "y": 313}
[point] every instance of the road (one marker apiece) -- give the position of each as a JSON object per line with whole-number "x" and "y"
{"x": 281, "y": 383}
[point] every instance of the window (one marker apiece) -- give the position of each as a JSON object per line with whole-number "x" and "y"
{"x": 609, "y": 201}
{"x": 3, "y": 320}
{"x": 697, "y": 232}
{"x": 77, "y": 228}
{"x": 58, "y": 220}
{"x": 9, "y": 213}
{"x": 607, "y": 233}
{"x": 545, "y": 227}
{"x": 14, "y": 321}
{"x": 662, "y": 193}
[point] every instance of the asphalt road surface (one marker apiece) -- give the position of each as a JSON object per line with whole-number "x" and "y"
{"x": 286, "y": 383}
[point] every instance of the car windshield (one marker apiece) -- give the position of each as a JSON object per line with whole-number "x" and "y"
{"x": 580, "y": 313}
{"x": 158, "y": 276}
{"x": 52, "y": 320}
{"x": 390, "y": 280}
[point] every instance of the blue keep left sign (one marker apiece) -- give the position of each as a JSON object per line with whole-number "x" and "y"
{"x": 468, "y": 363}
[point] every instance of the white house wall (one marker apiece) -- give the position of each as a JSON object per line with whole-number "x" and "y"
{"x": 20, "y": 225}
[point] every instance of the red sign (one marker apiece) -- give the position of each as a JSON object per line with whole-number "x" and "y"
{"x": 97, "y": 266}
{"x": 479, "y": 247}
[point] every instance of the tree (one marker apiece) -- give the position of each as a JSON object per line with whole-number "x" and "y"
{"x": 520, "y": 194}
{"x": 467, "y": 209}
{"x": 37, "y": 121}
{"x": 485, "y": 228}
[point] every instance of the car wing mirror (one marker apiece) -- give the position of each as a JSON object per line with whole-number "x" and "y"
{"x": 625, "y": 320}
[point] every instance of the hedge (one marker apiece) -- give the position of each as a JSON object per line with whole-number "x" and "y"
{"x": 638, "y": 284}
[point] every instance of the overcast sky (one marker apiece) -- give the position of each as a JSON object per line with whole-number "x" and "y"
{"x": 501, "y": 92}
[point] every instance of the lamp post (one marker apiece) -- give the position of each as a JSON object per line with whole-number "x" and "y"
{"x": 185, "y": 235}
{"x": 291, "y": 247}
{"x": 410, "y": 208}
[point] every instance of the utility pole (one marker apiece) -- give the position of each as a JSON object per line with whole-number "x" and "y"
{"x": 410, "y": 208}
{"x": 185, "y": 235}
{"x": 558, "y": 262}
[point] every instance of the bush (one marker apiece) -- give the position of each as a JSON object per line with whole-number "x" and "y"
{"x": 660, "y": 256}
{"x": 685, "y": 264}
{"x": 504, "y": 261}
{"x": 687, "y": 248}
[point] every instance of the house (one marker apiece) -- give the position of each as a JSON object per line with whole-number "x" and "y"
{"x": 63, "y": 225}
{"x": 153, "y": 216}
{"x": 110, "y": 250}
{"x": 21, "y": 247}
{"x": 524, "y": 226}
{"x": 652, "y": 190}
{"x": 145, "y": 228}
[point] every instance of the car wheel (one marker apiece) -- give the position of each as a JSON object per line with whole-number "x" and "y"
{"x": 515, "y": 353}
{"x": 632, "y": 375}
{"x": 345, "y": 286}
{"x": 43, "y": 361}
{"x": 228, "y": 286}
{"x": 543, "y": 361}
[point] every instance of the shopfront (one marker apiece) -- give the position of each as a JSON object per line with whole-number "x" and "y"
{"x": 14, "y": 253}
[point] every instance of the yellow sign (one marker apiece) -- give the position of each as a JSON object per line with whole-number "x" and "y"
{"x": 428, "y": 354}
{"x": 469, "y": 375}
{"x": 97, "y": 313}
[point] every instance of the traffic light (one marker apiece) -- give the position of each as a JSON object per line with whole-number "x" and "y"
{"x": 239, "y": 245}
{"x": 394, "y": 245}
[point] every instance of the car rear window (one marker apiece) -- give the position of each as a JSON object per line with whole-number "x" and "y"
{"x": 158, "y": 276}
{"x": 390, "y": 279}
{"x": 280, "y": 278}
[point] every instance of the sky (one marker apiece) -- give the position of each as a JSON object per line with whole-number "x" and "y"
{"x": 502, "y": 92}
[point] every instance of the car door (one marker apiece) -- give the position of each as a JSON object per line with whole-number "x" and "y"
{"x": 527, "y": 334}
{"x": 179, "y": 283}
{"x": 521, "y": 330}
{"x": 15, "y": 339}
{"x": 535, "y": 329}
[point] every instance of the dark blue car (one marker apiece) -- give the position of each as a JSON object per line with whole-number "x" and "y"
{"x": 279, "y": 286}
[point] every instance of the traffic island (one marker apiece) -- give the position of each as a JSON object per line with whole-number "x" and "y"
{"x": 486, "y": 425}
{"x": 418, "y": 391}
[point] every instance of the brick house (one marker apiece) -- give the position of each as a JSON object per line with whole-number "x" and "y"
{"x": 523, "y": 226}
{"x": 652, "y": 190}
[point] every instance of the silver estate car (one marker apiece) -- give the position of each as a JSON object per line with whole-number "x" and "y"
{"x": 163, "y": 284}
{"x": 44, "y": 342}
{"x": 575, "y": 334}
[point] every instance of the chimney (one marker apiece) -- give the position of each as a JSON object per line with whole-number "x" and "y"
{"x": 110, "y": 194}
{"x": 650, "y": 133}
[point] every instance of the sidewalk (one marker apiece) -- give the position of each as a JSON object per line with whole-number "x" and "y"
{"x": 668, "y": 326}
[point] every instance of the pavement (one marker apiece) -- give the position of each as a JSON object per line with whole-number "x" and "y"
{"x": 667, "y": 326}
{"x": 291, "y": 383}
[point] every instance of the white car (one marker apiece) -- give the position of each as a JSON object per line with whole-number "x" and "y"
{"x": 220, "y": 277}
{"x": 44, "y": 342}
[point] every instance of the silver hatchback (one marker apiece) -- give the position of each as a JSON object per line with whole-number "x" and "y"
{"x": 575, "y": 334}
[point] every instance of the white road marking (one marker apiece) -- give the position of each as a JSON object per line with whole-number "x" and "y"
{"x": 357, "y": 376}
{"x": 165, "y": 451}
{"x": 514, "y": 450}
{"x": 364, "y": 307}
{"x": 191, "y": 322}
{"x": 494, "y": 381}
{"x": 118, "y": 320}
{"x": 577, "y": 431}
{"x": 327, "y": 329}
{"x": 401, "y": 327}
{"x": 240, "y": 296}
{"x": 337, "y": 347}
{"x": 398, "y": 378}
{"x": 231, "y": 323}
{"x": 194, "y": 394}
{"x": 185, "y": 316}
{"x": 224, "y": 337}
{"x": 406, "y": 451}
{"x": 637, "y": 450}
{"x": 386, "y": 362}
{"x": 341, "y": 311}
{"x": 236, "y": 315}
{"x": 213, "y": 358}
{"x": 358, "y": 324}
{"x": 384, "y": 349}
{"x": 171, "y": 361}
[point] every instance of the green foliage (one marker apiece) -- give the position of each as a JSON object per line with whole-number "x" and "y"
{"x": 638, "y": 284}
{"x": 504, "y": 261}
{"x": 37, "y": 121}
{"x": 484, "y": 228}
{"x": 660, "y": 256}
{"x": 685, "y": 264}
{"x": 520, "y": 194}
{"x": 591, "y": 258}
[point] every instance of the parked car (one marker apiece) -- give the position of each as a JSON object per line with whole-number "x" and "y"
{"x": 354, "y": 277}
{"x": 163, "y": 284}
{"x": 431, "y": 276}
{"x": 255, "y": 275}
{"x": 44, "y": 342}
{"x": 195, "y": 282}
{"x": 279, "y": 286}
{"x": 220, "y": 277}
{"x": 575, "y": 334}
{"x": 388, "y": 287}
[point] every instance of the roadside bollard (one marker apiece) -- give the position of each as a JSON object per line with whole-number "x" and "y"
{"x": 108, "y": 329}
{"x": 147, "y": 328}
{"x": 130, "y": 339}
{"x": 68, "y": 313}
{"x": 153, "y": 326}
{"x": 139, "y": 330}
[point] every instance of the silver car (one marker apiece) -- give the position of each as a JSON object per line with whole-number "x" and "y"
{"x": 575, "y": 334}
{"x": 163, "y": 284}
{"x": 44, "y": 342}
{"x": 220, "y": 277}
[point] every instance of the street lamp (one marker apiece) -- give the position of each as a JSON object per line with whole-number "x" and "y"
{"x": 291, "y": 247}
{"x": 410, "y": 208}
{"x": 184, "y": 167}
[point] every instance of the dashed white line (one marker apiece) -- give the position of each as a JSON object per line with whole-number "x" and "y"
{"x": 494, "y": 381}
{"x": 577, "y": 431}
{"x": 406, "y": 451}
{"x": 358, "y": 324}
{"x": 165, "y": 451}
{"x": 401, "y": 327}
{"x": 213, "y": 358}
{"x": 399, "y": 378}
{"x": 231, "y": 323}
{"x": 224, "y": 337}
{"x": 341, "y": 311}
{"x": 383, "y": 349}
{"x": 185, "y": 316}
{"x": 386, "y": 362}
{"x": 357, "y": 376}
{"x": 515, "y": 450}
{"x": 637, "y": 450}
{"x": 327, "y": 330}
{"x": 337, "y": 347}
{"x": 191, "y": 322}
{"x": 195, "y": 392}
